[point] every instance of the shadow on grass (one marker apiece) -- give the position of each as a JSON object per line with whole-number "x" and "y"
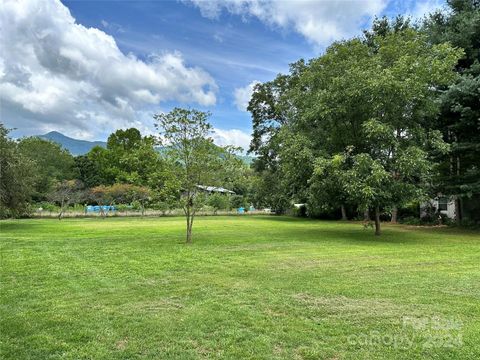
{"x": 315, "y": 231}
{"x": 401, "y": 232}
{"x": 13, "y": 225}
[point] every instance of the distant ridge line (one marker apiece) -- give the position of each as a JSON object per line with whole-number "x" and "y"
{"x": 75, "y": 146}
{"x": 81, "y": 147}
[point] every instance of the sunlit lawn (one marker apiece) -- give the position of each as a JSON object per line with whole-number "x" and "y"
{"x": 248, "y": 287}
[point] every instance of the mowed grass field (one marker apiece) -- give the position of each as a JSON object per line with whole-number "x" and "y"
{"x": 258, "y": 287}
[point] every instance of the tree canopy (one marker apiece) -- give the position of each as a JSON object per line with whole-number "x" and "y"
{"x": 459, "y": 120}
{"x": 367, "y": 109}
{"x": 52, "y": 163}
{"x": 17, "y": 177}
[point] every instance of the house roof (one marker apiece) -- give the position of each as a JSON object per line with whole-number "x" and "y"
{"x": 215, "y": 189}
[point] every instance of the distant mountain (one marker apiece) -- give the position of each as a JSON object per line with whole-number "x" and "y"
{"x": 75, "y": 146}
{"x": 80, "y": 147}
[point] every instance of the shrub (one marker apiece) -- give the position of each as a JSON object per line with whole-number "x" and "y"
{"x": 467, "y": 223}
{"x": 411, "y": 220}
{"x": 46, "y": 206}
{"x": 433, "y": 219}
{"x": 300, "y": 211}
{"x": 238, "y": 201}
{"x": 218, "y": 202}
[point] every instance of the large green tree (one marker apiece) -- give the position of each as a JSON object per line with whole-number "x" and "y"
{"x": 131, "y": 157}
{"x": 88, "y": 170}
{"x": 124, "y": 140}
{"x": 373, "y": 99}
{"x": 392, "y": 132}
{"x": 17, "y": 177}
{"x": 128, "y": 158}
{"x": 459, "y": 119}
{"x": 53, "y": 163}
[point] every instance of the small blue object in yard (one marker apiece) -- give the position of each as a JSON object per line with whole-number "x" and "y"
{"x": 96, "y": 208}
{"x": 240, "y": 210}
{"x": 251, "y": 208}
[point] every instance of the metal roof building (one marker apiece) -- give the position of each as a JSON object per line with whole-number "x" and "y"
{"x": 214, "y": 189}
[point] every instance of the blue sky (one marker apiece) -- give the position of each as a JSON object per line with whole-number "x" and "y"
{"x": 95, "y": 66}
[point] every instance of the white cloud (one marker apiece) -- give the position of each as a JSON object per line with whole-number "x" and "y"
{"x": 320, "y": 22}
{"x": 58, "y": 74}
{"x": 234, "y": 137}
{"x": 242, "y": 95}
{"x": 420, "y": 9}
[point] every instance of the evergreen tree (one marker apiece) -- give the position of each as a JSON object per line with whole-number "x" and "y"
{"x": 459, "y": 120}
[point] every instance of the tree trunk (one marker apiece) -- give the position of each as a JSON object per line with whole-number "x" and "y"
{"x": 102, "y": 212}
{"x": 61, "y": 211}
{"x": 189, "y": 233}
{"x": 458, "y": 201}
{"x": 189, "y": 229}
{"x": 394, "y": 215}
{"x": 366, "y": 215}
{"x": 377, "y": 221}
{"x": 458, "y": 211}
{"x": 344, "y": 213}
{"x": 189, "y": 215}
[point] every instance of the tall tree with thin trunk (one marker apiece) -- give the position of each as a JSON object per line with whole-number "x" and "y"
{"x": 186, "y": 135}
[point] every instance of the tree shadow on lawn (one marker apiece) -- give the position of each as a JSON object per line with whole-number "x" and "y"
{"x": 363, "y": 236}
{"x": 388, "y": 229}
{"x": 314, "y": 236}
{"x": 17, "y": 225}
{"x": 313, "y": 231}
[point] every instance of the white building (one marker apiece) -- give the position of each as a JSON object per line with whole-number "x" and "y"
{"x": 443, "y": 204}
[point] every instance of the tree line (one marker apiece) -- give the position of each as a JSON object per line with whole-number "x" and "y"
{"x": 161, "y": 172}
{"x": 377, "y": 122}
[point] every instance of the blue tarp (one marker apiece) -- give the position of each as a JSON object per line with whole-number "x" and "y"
{"x": 96, "y": 208}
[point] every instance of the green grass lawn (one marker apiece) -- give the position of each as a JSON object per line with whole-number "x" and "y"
{"x": 247, "y": 288}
